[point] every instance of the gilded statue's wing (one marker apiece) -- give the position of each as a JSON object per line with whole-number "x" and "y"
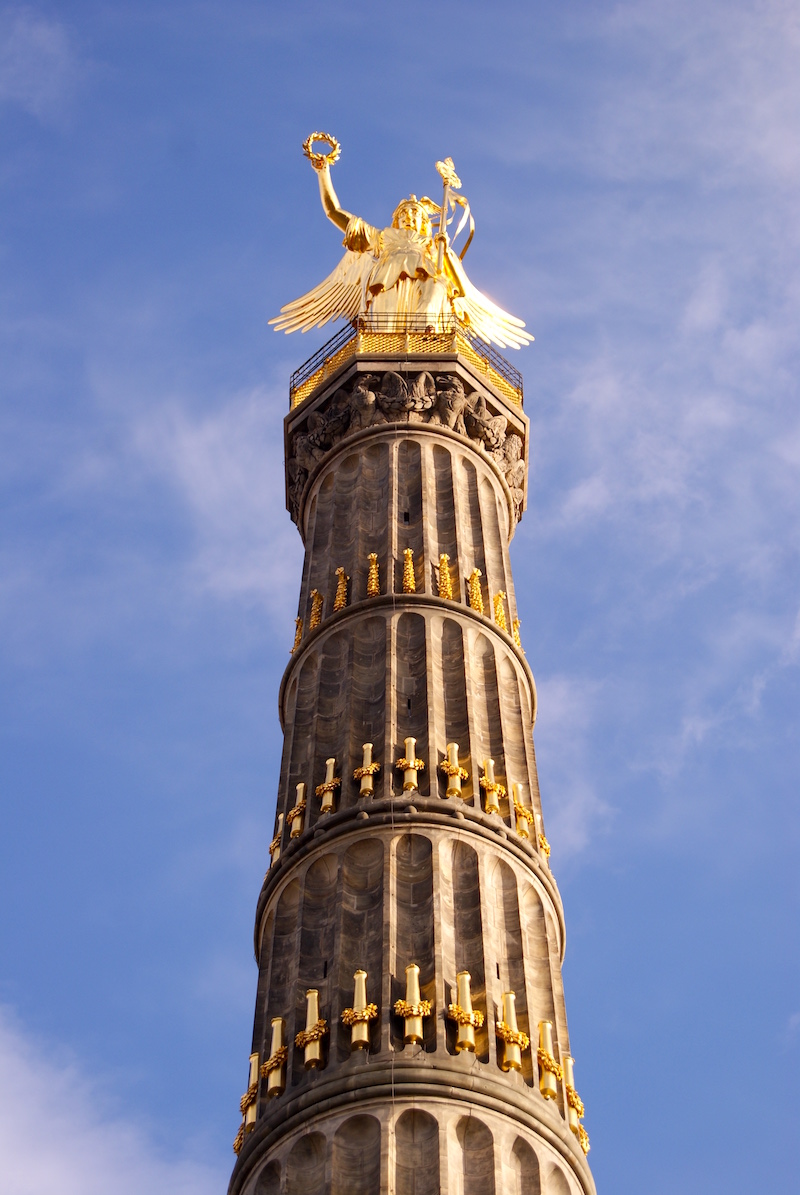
{"x": 485, "y": 318}
{"x": 340, "y": 294}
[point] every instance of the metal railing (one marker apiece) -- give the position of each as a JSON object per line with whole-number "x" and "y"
{"x": 328, "y": 350}
{"x": 495, "y": 360}
{"x": 396, "y": 334}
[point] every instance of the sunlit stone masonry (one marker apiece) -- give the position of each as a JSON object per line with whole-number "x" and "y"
{"x": 410, "y": 1030}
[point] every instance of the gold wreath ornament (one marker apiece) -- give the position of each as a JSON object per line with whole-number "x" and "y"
{"x": 513, "y": 1037}
{"x": 460, "y": 1015}
{"x": 416, "y": 765}
{"x": 318, "y": 160}
{"x": 451, "y": 769}
{"x": 548, "y": 1063}
{"x": 315, "y": 1033}
{"x": 359, "y": 1016}
{"x": 329, "y": 786}
{"x": 575, "y": 1102}
{"x": 422, "y": 1009}
{"x": 274, "y": 1061}
{"x": 370, "y": 770}
{"x": 249, "y": 1097}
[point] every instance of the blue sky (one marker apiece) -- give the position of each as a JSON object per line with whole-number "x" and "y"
{"x": 633, "y": 169}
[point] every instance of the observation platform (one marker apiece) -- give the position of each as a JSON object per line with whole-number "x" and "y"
{"x": 404, "y": 337}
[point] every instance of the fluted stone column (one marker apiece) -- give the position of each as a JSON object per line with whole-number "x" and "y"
{"x": 389, "y": 455}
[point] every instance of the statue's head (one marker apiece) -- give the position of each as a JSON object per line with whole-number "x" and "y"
{"x": 411, "y": 214}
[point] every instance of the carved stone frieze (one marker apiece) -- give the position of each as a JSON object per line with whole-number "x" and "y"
{"x": 439, "y": 399}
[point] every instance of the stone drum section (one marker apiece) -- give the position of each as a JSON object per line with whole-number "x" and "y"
{"x": 410, "y": 1028}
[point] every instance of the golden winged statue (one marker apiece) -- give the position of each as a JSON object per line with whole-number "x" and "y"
{"x": 403, "y": 276}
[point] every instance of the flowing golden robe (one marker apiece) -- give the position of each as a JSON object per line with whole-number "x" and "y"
{"x": 388, "y": 279}
{"x": 402, "y": 280}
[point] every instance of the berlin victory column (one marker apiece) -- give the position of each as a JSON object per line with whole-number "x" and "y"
{"x": 410, "y": 1029}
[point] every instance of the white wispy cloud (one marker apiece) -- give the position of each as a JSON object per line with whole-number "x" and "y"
{"x": 39, "y": 66}
{"x": 62, "y": 1130}
{"x": 792, "y": 1034}
{"x": 227, "y": 469}
{"x": 674, "y": 441}
{"x": 217, "y": 479}
{"x": 723, "y": 91}
{"x": 575, "y": 811}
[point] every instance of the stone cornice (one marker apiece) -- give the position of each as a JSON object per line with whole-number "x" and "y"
{"x": 377, "y": 1080}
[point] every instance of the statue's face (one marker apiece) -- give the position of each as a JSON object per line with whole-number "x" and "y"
{"x": 413, "y": 218}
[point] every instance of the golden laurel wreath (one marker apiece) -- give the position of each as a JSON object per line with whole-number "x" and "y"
{"x": 450, "y": 769}
{"x": 523, "y": 812}
{"x": 318, "y": 160}
{"x": 416, "y": 765}
{"x": 274, "y": 1062}
{"x": 249, "y": 1097}
{"x": 306, "y": 1036}
{"x": 295, "y": 811}
{"x": 575, "y": 1102}
{"x": 370, "y": 770}
{"x": 512, "y": 1037}
{"x": 460, "y": 1015}
{"x": 548, "y": 1063}
{"x": 359, "y": 1016}
{"x": 403, "y": 1009}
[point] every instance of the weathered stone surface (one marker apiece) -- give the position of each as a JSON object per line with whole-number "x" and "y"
{"x": 390, "y": 459}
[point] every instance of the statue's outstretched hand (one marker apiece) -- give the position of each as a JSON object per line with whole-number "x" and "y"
{"x": 322, "y": 163}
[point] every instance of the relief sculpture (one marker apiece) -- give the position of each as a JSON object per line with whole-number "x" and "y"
{"x": 440, "y": 400}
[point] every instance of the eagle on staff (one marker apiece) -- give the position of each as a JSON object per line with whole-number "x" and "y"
{"x": 404, "y": 276}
